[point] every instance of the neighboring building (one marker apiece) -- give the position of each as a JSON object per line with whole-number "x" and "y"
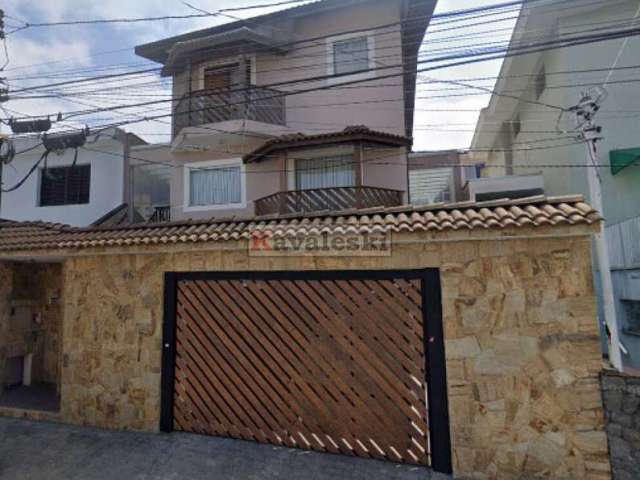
{"x": 443, "y": 176}
{"x": 245, "y": 143}
{"x": 92, "y": 188}
{"x": 518, "y": 130}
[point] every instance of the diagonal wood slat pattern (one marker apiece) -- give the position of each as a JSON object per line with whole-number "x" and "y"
{"x": 327, "y": 365}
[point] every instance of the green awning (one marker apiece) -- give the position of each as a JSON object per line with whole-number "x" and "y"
{"x": 621, "y": 159}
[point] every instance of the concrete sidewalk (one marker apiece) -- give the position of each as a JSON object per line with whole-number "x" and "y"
{"x": 47, "y": 451}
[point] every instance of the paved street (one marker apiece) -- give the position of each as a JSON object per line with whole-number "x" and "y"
{"x": 36, "y": 450}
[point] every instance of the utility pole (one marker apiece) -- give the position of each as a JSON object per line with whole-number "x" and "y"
{"x": 585, "y": 112}
{"x": 4, "y": 96}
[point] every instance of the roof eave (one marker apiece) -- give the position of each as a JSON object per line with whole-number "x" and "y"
{"x": 262, "y": 152}
{"x": 158, "y": 51}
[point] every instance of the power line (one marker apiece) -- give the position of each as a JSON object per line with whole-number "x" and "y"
{"x": 323, "y": 55}
{"x": 152, "y": 19}
{"x": 403, "y": 22}
{"x": 324, "y": 37}
{"x": 430, "y": 81}
{"x": 301, "y": 80}
{"x": 129, "y": 106}
{"x": 510, "y": 52}
{"x": 76, "y": 81}
{"x": 220, "y": 12}
{"x": 132, "y": 73}
{"x": 471, "y": 35}
{"x": 161, "y": 116}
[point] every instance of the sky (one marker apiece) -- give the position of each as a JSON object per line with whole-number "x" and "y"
{"x": 54, "y": 54}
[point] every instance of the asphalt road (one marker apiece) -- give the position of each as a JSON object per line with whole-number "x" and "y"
{"x": 48, "y": 451}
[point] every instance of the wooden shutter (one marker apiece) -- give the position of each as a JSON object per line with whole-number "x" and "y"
{"x": 217, "y": 78}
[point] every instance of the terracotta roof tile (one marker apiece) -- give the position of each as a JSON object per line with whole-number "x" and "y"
{"x": 353, "y": 133}
{"x": 534, "y": 211}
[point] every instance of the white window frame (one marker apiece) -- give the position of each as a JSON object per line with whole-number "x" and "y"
{"x": 371, "y": 46}
{"x": 203, "y": 67}
{"x": 213, "y": 164}
{"x": 316, "y": 153}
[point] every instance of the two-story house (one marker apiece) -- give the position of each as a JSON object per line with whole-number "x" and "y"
{"x": 80, "y": 187}
{"x": 533, "y": 146}
{"x": 306, "y": 109}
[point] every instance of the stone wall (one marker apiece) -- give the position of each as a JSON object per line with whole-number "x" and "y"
{"x": 622, "y": 403}
{"x": 6, "y": 284}
{"x": 522, "y": 346}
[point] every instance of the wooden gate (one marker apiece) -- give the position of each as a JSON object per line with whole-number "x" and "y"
{"x": 330, "y": 361}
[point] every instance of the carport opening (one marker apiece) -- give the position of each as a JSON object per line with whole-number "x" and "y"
{"x": 30, "y": 336}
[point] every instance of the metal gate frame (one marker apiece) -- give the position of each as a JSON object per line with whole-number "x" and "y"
{"x": 435, "y": 371}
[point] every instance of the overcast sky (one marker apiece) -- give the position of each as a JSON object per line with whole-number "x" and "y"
{"x": 38, "y": 55}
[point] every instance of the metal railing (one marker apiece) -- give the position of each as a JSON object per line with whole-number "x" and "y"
{"x": 259, "y": 104}
{"x": 333, "y": 199}
{"x": 160, "y": 215}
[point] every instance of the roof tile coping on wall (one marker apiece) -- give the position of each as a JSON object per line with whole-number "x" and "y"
{"x": 499, "y": 214}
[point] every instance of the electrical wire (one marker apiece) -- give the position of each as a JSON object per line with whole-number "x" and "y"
{"x": 146, "y": 19}
{"x": 457, "y": 37}
{"x": 127, "y": 73}
{"x": 482, "y": 57}
{"x": 401, "y": 23}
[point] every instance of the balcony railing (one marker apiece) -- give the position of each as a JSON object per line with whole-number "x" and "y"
{"x": 161, "y": 214}
{"x": 206, "y": 106}
{"x": 335, "y": 199}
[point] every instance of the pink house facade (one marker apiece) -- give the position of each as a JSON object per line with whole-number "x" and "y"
{"x": 306, "y": 109}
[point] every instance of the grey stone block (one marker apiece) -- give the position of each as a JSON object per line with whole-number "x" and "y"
{"x": 630, "y": 404}
{"x": 613, "y": 400}
{"x": 614, "y": 430}
{"x": 612, "y": 382}
{"x": 632, "y": 436}
{"x": 625, "y": 475}
{"x": 621, "y": 419}
{"x": 619, "y": 448}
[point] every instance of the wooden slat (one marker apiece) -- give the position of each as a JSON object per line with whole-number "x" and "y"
{"x": 327, "y": 365}
{"x": 340, "y": 198}
{"x": 262, "y": 375}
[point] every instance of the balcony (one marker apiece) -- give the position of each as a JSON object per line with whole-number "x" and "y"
{"x": 334, "y": 199}
{"x": 161, "y": 214}
{"x": 258, "y": 104}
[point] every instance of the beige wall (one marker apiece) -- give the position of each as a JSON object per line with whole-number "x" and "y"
{"x": 382, "y": 167}
{"x": 386, "y": 168}
{"x": 262, "y": 179}
{"x": 336, "y": 108}
{"x": 520, "y": 327}
{"x": 376, "y": 103}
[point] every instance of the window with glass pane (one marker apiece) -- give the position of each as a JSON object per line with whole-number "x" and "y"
{"x": 325, "y": 172}
{"x": 215, "y": 186}
{"x": 351, "y": 55}
{"x": 65, "y": 185}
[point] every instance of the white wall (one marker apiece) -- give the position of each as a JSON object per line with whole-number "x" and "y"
{"x": 106, "y": 190}
{"x": 618, "y": 116}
